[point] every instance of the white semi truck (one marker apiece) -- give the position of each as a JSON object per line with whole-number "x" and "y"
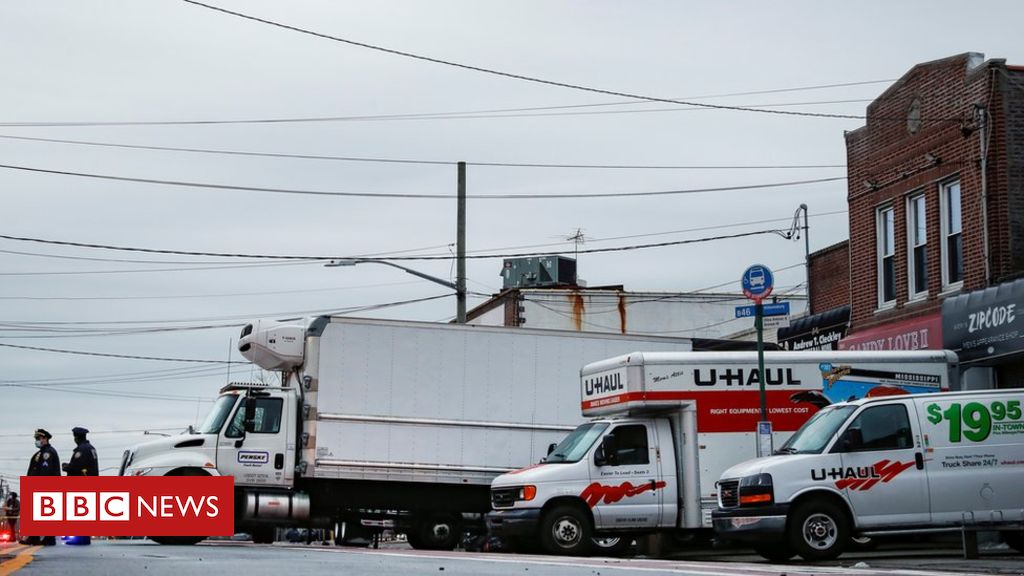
{"x": 384, "y": 423}
{"x": 667, "y": 424}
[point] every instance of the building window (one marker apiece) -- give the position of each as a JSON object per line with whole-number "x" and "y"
{"x": 917, "y": 246}
{"x": 952, "y": 237}
{"x": 886, "y": 257}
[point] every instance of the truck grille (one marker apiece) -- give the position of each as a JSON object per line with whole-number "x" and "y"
{"x": 729, "y": 493}
{"x": 504, "y": 497}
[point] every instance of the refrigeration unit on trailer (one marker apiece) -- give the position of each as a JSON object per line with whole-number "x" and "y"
{"x": 878, "y": 465}
{"x": 385, "y": 423}
{"x": 666, "y": 425}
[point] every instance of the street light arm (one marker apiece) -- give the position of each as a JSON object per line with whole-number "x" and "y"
{"x": 354, "y": 261}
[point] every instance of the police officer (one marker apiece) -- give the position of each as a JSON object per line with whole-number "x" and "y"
{"x": 45, "y": 462}
{"x": 83, "y": 461}
{"x": 12, "y": 509}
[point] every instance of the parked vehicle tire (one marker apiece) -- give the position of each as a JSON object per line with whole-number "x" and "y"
{"x": 177, "y": 540}
{"x": 1014, "y": 540}
{"x": 818, "y": 530}
{"x": 778, "y": 552}
{"x": 566, "y": 530}
{"x": 611, "y": 545}
{"x": 438, "y": 532}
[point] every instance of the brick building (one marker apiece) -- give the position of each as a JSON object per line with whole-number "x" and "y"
{"x": 936, "y": 208}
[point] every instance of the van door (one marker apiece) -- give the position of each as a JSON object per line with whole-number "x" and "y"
{"x": 883, "y": 468}
{"x": 256, "y": 457}
{"x": 625, "y": 484}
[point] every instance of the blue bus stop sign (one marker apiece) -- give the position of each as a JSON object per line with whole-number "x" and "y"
{"x": 757, "y": 282}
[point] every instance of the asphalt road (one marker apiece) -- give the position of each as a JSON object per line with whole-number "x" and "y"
{"x": 144, "y": 557}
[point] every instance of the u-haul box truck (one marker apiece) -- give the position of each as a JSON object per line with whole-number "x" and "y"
{"x": 882, "y": 464}
{"x": 664, "y": 428}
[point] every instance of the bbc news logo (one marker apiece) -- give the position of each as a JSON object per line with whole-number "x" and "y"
{"x": 128, "y": 506}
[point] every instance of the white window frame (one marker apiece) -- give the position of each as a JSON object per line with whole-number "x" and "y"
{"x": 882, "y": 255}
{"x": 947, "y": 284}
{"x": 913, "y": 243}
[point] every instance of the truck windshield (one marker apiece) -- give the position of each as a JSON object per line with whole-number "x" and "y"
{"x": 215, "y": 420}
{"x": 576, "y": 444}
{"x": 814, "y": 435}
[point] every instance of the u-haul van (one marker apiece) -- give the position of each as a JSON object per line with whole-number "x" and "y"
{"x": 664, "y": 428}
{"x": 881, "y": 464}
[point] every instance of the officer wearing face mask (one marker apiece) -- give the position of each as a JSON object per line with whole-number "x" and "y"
{"x": 84, "y": 461}
{"x": 45, "y": 462}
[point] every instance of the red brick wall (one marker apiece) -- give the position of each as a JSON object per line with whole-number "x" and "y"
{"x": 830, "y": 277}
{"x": 887, "y": 154}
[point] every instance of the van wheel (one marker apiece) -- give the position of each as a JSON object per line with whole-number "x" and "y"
{"x": 1014, "y": 540}
{"x": 611, "y": 545}
{"x": 818, "y": 530}
{"x": 566, "y": 530}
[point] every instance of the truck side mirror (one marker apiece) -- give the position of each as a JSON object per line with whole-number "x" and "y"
{"x": 852, "y": 440}
{"x": 607, "y": 452}
{"x": 249, "y": 422}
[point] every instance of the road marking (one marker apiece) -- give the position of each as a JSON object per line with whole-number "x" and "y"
{"x": 22, "y": 559}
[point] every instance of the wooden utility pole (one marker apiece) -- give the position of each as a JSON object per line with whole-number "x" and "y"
{"x": 460, "y": 250}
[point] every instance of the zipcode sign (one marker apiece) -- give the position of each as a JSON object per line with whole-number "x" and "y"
{"x": 128, "y": 505}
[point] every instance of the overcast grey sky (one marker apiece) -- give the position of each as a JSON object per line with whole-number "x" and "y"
{"x": 169, "y": 61}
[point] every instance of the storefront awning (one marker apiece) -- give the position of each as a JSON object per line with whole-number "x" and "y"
{"x": 985, "y": 324}
{"x": 816, "y": 332}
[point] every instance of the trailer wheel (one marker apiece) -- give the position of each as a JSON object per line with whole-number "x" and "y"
{"x": 1014, "y": 540}
{"x": 566, "y": 530}
{"x": 778, "y": 552}
{"x": 438, "y": 532}
{"x": 611, "y": 545}
{"x": 818, "y": 530}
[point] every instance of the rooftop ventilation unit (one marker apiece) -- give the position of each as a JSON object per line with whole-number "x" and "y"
{"x": 539, "y": 272}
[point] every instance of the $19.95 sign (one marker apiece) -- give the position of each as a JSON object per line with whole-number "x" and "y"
{"x": 128, "y": 506}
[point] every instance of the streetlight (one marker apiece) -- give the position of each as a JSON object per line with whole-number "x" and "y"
{"x": 460, "y": 291}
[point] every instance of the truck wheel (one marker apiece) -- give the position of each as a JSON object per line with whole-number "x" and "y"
{"x": 263, "y": 535}
{"x": 778, "y": 552}
{"x": 566, "y": 530}
{"x": 440, "y": 532}
{"x": 177, "y": 540}
{"x": 611, "y": 545}
{"x": 818, "y": 530}
{"x": 1014, "y": 540}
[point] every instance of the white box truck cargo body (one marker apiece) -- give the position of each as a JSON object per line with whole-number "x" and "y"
{"x": 666, "y": 425}
{"x": 899, "y": 463}
{"x": 386, "y": 422}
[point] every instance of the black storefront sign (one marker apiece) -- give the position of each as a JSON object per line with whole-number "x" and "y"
{"x": 817, "y": 332}
{"x": 985, "y": 324}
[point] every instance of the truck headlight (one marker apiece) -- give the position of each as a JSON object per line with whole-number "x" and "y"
{"x": 756, "y": 490}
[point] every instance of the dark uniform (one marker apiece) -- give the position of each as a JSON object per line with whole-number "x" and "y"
{"x": 13, "y": 509}
{"x": 45, "y": 462}
{"x": 83, "y": 461}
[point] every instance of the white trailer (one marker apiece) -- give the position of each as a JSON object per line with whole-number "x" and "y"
{"x": 666, "y": 425}
{"x": 386, "y": 423}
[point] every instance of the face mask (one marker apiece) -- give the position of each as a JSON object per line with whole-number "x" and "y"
{"x": 39, "y": 443}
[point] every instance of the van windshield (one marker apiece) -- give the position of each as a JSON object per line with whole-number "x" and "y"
{"x": 218, "y": 414}
{"x": 816, "y": 433}
{"x": 576, "y": 444}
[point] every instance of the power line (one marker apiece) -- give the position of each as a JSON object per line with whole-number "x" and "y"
{"x": 216, "y": 295}
{"x": 413, "y": 196}
{"x": 127, "y": 356}
{"x": 446, "y": 257}
{"x": 424, "y": 161}
{"x": 522, "y": 77}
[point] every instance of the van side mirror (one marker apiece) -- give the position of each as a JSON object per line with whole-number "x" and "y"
{"x": 852, "y": 440}
{"x": 607, "y": 452}
{"x": 551, "y": 448}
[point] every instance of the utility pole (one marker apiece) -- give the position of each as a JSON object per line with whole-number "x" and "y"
{"x": 460, "y": 250}
{"x": 807, "y": 259}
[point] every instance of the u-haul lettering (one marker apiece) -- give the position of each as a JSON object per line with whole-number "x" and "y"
{"x": 604, "y": 384}
{"x": 744, "y": 377}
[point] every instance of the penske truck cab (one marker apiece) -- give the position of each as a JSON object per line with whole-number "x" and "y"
{"x": 665, "y": 426}
{"x": 878, "y": 465}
